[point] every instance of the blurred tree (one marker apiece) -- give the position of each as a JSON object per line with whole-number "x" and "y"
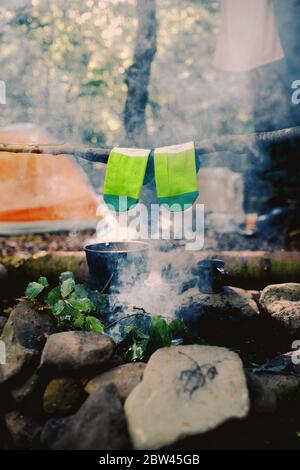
{"x": 138, "y": 74}
{"x": 64, "y": 63}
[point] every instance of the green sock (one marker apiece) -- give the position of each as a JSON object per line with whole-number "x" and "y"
{"x": 124, "y": 177}
{"x": 176, "y": 176}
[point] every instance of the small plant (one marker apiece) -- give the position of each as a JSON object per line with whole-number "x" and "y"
{"x": 71, "y": 304}
{"x": 140, "y": 343}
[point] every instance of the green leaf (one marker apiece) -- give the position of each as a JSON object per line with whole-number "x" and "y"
{"x": 136, "y": 352}
{"x": 34, "y": 289}
{"x": 67, "y": 287}
{"x": 280, "y": 368}
{"x": 80, "y": 291}
{"x": 43, "y": 280}
{"x": 100, "y": 301}
{"x": 200, "y": 341}
{"x": 53, "y": 296}
{"x": 135, "y": 332}
{"x": 66, "y": 275}
{"x": 78, "y": 320}
{"x": 58, "y": 308}
{"x": 81, "y": 305}
{"x": 93, "y": 324}
{"x": 159, "y": 333}
{"x": 177, "y": 327}
{"x": 275, "y": 369}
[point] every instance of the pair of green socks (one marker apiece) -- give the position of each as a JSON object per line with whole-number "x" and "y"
{"x": 175, "y": 177}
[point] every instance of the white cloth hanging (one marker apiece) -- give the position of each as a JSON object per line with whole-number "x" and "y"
{"x": 248, "y": 36}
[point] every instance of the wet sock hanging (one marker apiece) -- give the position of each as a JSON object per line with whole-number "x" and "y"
{"x": 124, "y": 177}
{"x": 176, "y": 176}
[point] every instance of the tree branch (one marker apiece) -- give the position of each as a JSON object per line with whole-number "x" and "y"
{"x": 239, "y": 144}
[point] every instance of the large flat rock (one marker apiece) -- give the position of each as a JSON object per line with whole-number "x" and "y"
{"x": 185, "y": 391}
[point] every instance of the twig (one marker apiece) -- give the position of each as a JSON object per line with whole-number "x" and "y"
{"x": 107, "y": 284}
{"x": 124, "y": 318}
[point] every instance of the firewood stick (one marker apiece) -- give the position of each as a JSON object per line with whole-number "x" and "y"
{"x": 239, "y": 144}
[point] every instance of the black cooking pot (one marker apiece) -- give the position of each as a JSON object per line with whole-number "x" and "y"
{"x": 116, "y": 263}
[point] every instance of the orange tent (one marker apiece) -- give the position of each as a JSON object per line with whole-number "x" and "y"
{"x": 41, "y": 192}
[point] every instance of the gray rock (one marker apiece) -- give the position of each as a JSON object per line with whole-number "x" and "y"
{"x": 283, "y": 386}
{"x": 99, "y": 425}
{"x": 3, "y": 320}
{"x": 53, "y": 431}
{"x": 185, "y": 391}
{"x": 228, "y": 313}
{"x": 63, "y": 396}
{"x": 76, "y": 352}
{"x": 255, "y": 294}
{"x": 125, "y": 377}
{"x": 3, "y": 272}
{"x": 7, "y": 402}
{"x": 24, "y": 430}
{"x": 282, "y": 302}
{"x": 263, "y": 400}
{"x": 28, "y": 395}
{"x": 23, "y": 336}
{"x": 5, "y": 438}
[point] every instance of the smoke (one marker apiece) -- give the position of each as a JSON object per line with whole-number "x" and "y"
{"x": 158, "y": 289}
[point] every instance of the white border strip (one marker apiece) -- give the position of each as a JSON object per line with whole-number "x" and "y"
{"x": 132, "y": 152}
{"x": 175, "y": 148}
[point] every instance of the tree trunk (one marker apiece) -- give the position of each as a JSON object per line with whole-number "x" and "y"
{"x": 138, "y": 74}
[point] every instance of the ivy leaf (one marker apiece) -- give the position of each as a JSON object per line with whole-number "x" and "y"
{"x": 66, "y": 275}
{"x": 93, "y": 324}
{"x": 81, "y": 305}
{"x": 43, "y": 280}
{"x": 198, "y": 340}
{"x": 67, "y": 287}
{"x": 159, "y": 333}
{"x": 53, "y": 296}
{"x": 136, "y": 333}
{"x": 177, "y": 327}
{"x": 136, "y": 352}
{"x": 58, "y": 308}
{"x": 275, "y": 369}
{"x": 78, "y": 319}
{"x": 80, "y": 292}
{"x": 34, "y": 289}
{"x": 100, "y": 301}
{"x": 280, "y": 368}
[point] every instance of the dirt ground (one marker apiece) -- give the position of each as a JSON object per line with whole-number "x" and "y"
{"x": 30, "y": 244}
{"x": 74, "y": 241}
